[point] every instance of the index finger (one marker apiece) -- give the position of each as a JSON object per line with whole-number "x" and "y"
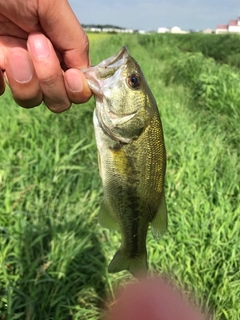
{"x": 65, "y": 32}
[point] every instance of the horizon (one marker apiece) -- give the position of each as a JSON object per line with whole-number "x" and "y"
{"x": 151, "y": 15}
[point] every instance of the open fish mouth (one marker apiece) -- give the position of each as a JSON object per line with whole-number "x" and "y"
{"x": 99, "y": 76}
{"x": 116, "y": 60}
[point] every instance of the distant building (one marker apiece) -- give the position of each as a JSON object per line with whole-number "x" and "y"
{"x": 127, "y": 30}
{"x": 163, "y": 30}
{"x": 111, "y": 29}
{"x": 233, "y": 27}
{"x": 208, "y": 31}
{"x": 177, "y": 30}
{"x": 221, "y": 28}
{"x": 94, "y": 29}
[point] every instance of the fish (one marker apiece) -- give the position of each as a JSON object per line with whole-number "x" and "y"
{"x": 131, "y": 158}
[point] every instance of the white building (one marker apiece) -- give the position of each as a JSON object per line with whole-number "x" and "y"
{"x": 117, "y": 30}
{"x": 127, "y": 30}
{"x": 221, "y": 28}
{"x": 94, "y": 29}
{"x": 208, "y": 31}
{"x": 163, "y": 30}
{"x": 177, "y": 30}
{"x": 233, "y": 26}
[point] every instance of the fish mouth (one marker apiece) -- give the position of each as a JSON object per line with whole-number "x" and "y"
{"x": 115, "y": 60}
{"x": 98, "y": 76}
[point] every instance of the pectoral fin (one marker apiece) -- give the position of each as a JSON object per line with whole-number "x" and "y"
{"x": 160, "y": 221}
{"x": 105, "y": 218}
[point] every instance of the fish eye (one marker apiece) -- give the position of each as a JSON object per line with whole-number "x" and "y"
{"x": 134, "y": 81}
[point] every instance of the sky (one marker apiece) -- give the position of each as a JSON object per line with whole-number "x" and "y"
{"x": 152, "y": 14}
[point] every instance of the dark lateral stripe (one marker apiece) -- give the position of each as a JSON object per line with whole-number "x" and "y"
{"x": 135, "y": 226}
{"x": 134, "y": 206}
{"x": 135, "y": 236}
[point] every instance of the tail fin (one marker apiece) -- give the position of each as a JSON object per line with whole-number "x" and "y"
{"x": 137, "y": 265}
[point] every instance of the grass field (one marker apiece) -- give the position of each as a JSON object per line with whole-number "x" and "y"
{"x": 53, "y": 253}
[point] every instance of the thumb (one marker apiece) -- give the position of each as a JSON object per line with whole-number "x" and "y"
{"x": 65, "y": 32}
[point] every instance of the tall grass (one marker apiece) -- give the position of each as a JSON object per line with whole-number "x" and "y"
{"x": 213, "y": 86}
{"x": 223, "y": 48}
{"x": 53, "y": 253}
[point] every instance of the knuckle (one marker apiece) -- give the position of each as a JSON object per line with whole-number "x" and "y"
{"x": 85, "y": 43}
{"x": 26, "y": 96}
{"x": 28, "y": 103}
{"x": 59, "y": 107}
{"x": 48, "y": 79}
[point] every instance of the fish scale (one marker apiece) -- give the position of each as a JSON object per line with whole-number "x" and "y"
{"x": 132, "y": 158}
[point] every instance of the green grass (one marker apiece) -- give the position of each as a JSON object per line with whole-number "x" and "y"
{"x": 97, "y": 37}
{"x": 53, "y": 253}
{"x": 223, "y": 48}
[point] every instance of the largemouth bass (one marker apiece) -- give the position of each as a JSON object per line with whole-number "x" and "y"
{"x": 131, "y": 156}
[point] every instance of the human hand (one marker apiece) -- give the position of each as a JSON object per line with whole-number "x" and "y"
{"x": 42, "y": 48}
{"x": 152, "y": 299}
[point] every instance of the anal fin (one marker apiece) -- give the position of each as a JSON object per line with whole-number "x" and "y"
{"x": 105, "y": 218}
{"x": 136, "y": 265}
{"x": 160, "y": 221}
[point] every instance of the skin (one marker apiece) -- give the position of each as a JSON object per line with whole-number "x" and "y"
{"x": 35, "y": 37}
{"x": 152, "y": 299}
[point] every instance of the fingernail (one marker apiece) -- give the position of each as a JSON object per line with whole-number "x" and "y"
{"x": 20, "y": 66}
{"x": 39, "y": 46}
{"x": 74, "y": 81}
